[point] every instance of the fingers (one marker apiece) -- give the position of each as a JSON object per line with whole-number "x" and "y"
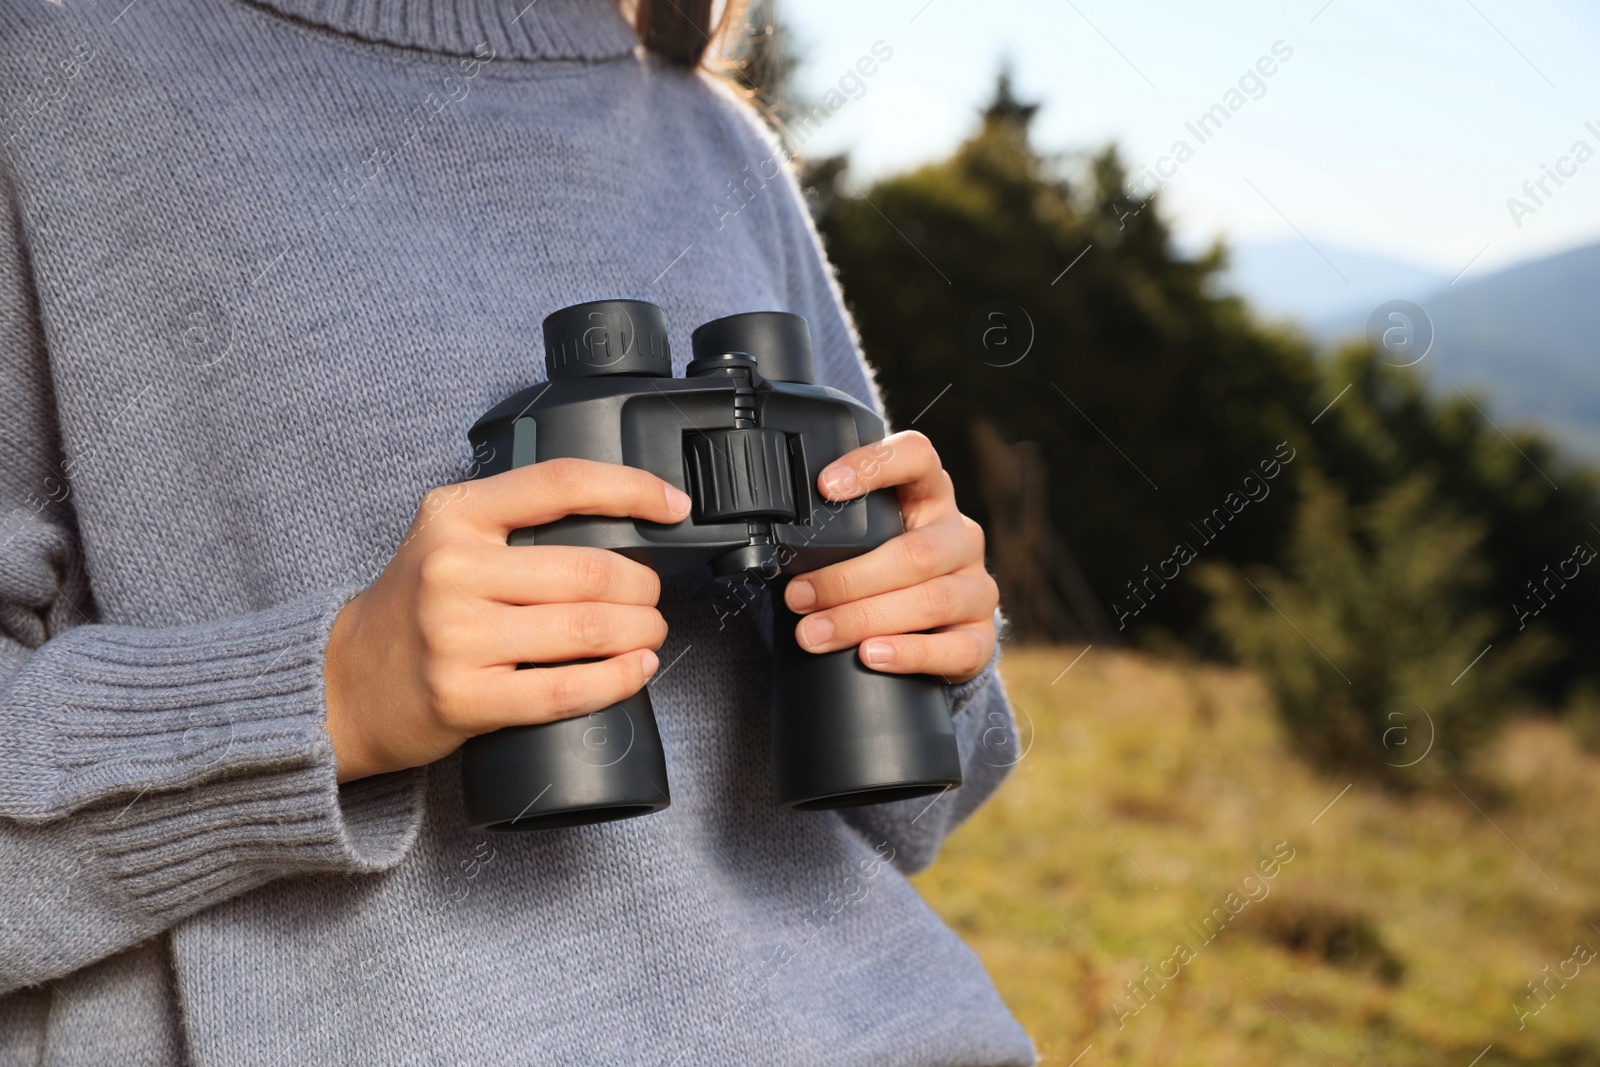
{"x": 542, "y": 574}
{"x": 544, "y": 694}
{"x": 948, "y": 600}
{"x": 486, "y": 634}
{"x": 956, "y": 655}
{"x": 903, "y": 561}
{"x": 543, "y": 492}
{"x": 930, "y": 578}
{"x": 906, "y": 460}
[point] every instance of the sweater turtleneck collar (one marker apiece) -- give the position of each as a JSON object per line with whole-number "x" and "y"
{"x": 514, "y": 29}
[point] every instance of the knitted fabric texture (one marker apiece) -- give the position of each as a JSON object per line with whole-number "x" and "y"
{"x": 260, "y": 268}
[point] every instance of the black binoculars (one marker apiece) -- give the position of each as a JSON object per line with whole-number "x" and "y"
{"x": 745, "y": 433}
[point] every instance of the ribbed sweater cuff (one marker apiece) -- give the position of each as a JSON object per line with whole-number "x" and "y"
{"x": 962, "y": 694}
{"x": 174, "y": 853}
{"x": 115, "y": 709}
{"x": 202, "y": 752}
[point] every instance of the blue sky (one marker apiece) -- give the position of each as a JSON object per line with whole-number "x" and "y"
{"x": 1399, "y": 129}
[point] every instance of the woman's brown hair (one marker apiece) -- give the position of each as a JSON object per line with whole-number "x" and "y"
{"x": 680, "y": 30}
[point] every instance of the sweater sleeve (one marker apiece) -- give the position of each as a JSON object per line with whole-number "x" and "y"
{"x": 984, "y": 724}
{"x": 146, "y": 774}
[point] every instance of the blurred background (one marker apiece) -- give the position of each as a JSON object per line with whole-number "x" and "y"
{"x": 1261, "y": 338}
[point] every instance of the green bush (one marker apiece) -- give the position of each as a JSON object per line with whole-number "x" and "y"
{"x": 1365, "y": 637}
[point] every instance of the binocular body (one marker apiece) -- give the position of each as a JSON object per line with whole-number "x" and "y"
{"x": 745, "y": 433}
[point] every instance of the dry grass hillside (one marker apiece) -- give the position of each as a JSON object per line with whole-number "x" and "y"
{"x": 1393, "y": 930}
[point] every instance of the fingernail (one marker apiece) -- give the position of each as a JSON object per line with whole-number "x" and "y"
{"x": 802, "y": 595}
{"x": 839, "y": 482}
{"x": 817, "y": 630}
{"x": 677, "y": 501}
{"x": 877, "y": 653}
{"x": 650, "y": 663}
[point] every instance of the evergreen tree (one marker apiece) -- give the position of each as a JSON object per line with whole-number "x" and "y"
{"x": 1150, "y": 396}
{"x": 1159, "y": 405}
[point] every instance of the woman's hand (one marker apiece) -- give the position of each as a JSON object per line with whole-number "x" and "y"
{"x": 427, "y": 656}
{"x": 930, "y": 578}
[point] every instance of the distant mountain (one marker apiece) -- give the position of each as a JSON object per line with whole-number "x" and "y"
{"x": 1293, "y": 280}
{"x": 1526, "y": 337}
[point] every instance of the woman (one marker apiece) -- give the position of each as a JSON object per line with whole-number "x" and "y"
{"x": 262, "y": 266}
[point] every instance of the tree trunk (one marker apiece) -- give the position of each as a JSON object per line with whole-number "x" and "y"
{"x": 1043, "y": 592}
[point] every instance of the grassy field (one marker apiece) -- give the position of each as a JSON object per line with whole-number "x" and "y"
{"x": 1399, "y": 931}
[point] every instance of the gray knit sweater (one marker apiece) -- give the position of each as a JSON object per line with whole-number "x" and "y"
{"x": 260, "y": 267}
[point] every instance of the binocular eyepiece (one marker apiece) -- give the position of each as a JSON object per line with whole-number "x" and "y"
{"x": 629, "y": 337}
{"x": 745, "y": 433}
